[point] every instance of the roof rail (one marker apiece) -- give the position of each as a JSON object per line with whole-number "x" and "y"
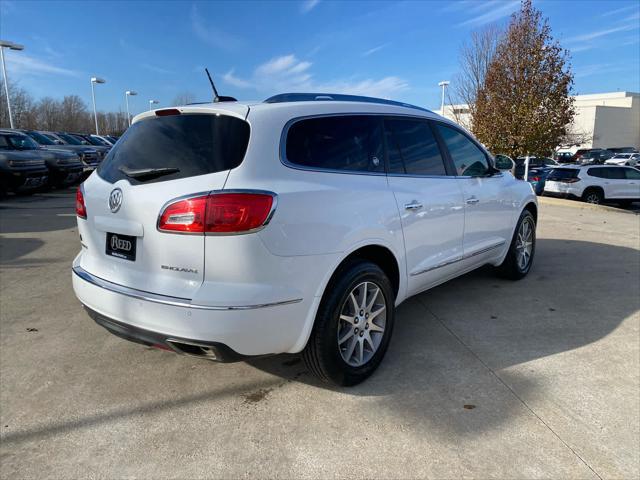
{"x": 323, "y": 97}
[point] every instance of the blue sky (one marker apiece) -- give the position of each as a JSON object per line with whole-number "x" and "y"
{"x": 256, "y": 49}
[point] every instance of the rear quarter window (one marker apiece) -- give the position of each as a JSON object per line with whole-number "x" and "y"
{"x": 339, "y": 143}
{"x": 192, "y": 144}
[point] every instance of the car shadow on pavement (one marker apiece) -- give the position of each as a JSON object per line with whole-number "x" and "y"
{"x": 452, "y": 344}
{"x": 40, "y": 212}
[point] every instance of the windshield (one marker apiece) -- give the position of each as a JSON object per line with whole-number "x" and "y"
{"x": 82, "y": 140}
{"x": 177, "y": 146}
{"x": 69, "y": 139}
{"x": 97, "y": 141}
{"x": 19, "y": 142}
{"x": 41, "y": 139}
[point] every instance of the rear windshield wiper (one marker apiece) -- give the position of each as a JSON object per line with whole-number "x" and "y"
{"x": 143, "y": 174}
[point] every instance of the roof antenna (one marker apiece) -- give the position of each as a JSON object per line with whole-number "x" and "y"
{"x": 217, "y": 98}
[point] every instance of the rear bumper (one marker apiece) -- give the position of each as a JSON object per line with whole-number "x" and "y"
{"x": 234, "y": 332}
{"x": 547, "y": 193}
{"x": 185, "y": 346}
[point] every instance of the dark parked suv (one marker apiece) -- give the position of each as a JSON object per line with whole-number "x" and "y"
{"x": 20, "y": 169}
{"x": 64, "y": 167}
{"x": 88, "y": 155}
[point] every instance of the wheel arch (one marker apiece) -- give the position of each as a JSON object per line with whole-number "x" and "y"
{"x": 533, "y": 209}
{"x": 373, "y": 251}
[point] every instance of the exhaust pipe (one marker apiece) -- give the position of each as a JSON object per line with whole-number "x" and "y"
{"x": 193, "y": 349}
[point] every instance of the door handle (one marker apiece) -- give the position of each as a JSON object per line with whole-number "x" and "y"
{"x": 472, "y": 201}
{"x": 414, "y": 205}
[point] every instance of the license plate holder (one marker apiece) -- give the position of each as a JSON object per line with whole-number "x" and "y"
{"x": 121, "y": 246}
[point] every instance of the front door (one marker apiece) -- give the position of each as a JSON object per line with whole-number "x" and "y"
{"x": 489, "y": 214}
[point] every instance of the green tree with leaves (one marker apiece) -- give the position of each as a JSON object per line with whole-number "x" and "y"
{"x": 524, "y": 106}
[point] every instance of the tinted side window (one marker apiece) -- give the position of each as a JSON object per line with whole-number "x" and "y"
{"x": 412, "y": 148}
{"x": 598, "y": 172}
{"x": 468, "y": 159}
{"x": 632, "y": 173}
{"x": 616, "y": 173}
{"x": 352, "y": 143}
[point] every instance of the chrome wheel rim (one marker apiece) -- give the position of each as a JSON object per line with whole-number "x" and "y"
{"x": 593, "y": 198}
{"x": 524, "y": 244}
{"x": 361, "y": 325}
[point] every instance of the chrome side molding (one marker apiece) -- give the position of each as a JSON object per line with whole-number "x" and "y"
{"x": 164, "y": 299}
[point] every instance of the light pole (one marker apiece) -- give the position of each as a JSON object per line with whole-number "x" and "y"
{"x": 126, "y": 98}
{"x": 11, "y": 46}
{"x": 153, "y": 102}
{"x": 95, "y": 80}
{"x": 444, "y": 85}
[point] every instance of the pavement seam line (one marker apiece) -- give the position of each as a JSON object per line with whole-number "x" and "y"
{"x": 468, "y": 348}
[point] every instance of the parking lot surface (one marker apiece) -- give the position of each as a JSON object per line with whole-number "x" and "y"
{"x": 484, "y": 377}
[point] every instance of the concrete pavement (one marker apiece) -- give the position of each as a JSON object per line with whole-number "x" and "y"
{"x": 548, "y": 369}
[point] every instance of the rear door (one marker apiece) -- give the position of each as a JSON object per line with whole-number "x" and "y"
{"x": 429, "y": 200}
{"x": 156, "y": 161}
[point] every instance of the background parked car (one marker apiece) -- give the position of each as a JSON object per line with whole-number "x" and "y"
{"x": 75, "y": 139}
{"x": 564, "y": 156}
{"x": 539, "y": 168}
{"x": 20, "y": 169}
{"x": 64, "y": 168}
{"x": 594, "y": 156}
{"x": 108, "y": 141}
{"x": 623, "y": 149}
{"x": 629, "y": 159}
{"x": 47, "y": 140}
{"x": 595, "y": 184}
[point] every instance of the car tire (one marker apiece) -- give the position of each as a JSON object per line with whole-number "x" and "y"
{"x": 593, "y": 196}
{"x": 517, "y": 263}
{"x": 346, "y": 346}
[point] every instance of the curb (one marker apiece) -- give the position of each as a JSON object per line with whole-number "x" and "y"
{"x": 582, "y": 205}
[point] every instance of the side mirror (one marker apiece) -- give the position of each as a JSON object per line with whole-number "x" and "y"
{"x": 503, "y": 162}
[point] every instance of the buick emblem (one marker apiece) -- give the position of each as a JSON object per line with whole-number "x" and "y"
{"x": 115, "y": 200}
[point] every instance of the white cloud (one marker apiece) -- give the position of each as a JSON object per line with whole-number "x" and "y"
{"x": 601, "y": 33}
{"x": 231, "y": 79}
{"x": 504, "y": 10}
{"x": 289, "y": 74}
{"x": 308, "y": 5}
{"x": 374, "y": 50}
{"x": 155, "y": 68}
{"x": 277, "y": 65}
{"x": 618, "y": 11}
{"x": 212, "y": 35}
{"x": 26, "y": 65}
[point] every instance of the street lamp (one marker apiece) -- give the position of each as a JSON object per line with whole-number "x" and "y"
{"x": 11, "y": 46}
{"x": 95, "y": 80}
{"x": 126, "y": 98}
{"x": 444, "y": 85}
{"x": 153, "y": 102}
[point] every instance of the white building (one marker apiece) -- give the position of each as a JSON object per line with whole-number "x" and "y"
{"x": 602, "y": 120}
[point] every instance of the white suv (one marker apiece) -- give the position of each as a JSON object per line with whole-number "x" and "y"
{"x": 595, "y": 184}
{"x": 230, "y": 230}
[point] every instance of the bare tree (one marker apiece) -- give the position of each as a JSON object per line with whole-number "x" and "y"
{"x": 476, "y": 55}
{"x": 525, "y": 104}
{"x": 183, "y": 98}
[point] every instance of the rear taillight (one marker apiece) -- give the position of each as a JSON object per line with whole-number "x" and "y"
{"x": 81, "y": 209}
{"x": 233, "y": 212}
{"x": 570, "y": 180}
{"x": 534, "y": 179}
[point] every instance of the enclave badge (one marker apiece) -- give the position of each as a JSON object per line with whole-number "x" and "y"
{"x": 115, "y": 200}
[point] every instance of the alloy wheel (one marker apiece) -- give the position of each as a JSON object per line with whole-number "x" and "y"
{"x": 524, "y": 244}
{"x": 361, "y": 324}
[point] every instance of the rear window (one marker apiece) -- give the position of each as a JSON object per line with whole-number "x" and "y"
{"x": 562, "y": 174}
{"x": 185, "y": 145}
{"x": 349, "y": 143}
